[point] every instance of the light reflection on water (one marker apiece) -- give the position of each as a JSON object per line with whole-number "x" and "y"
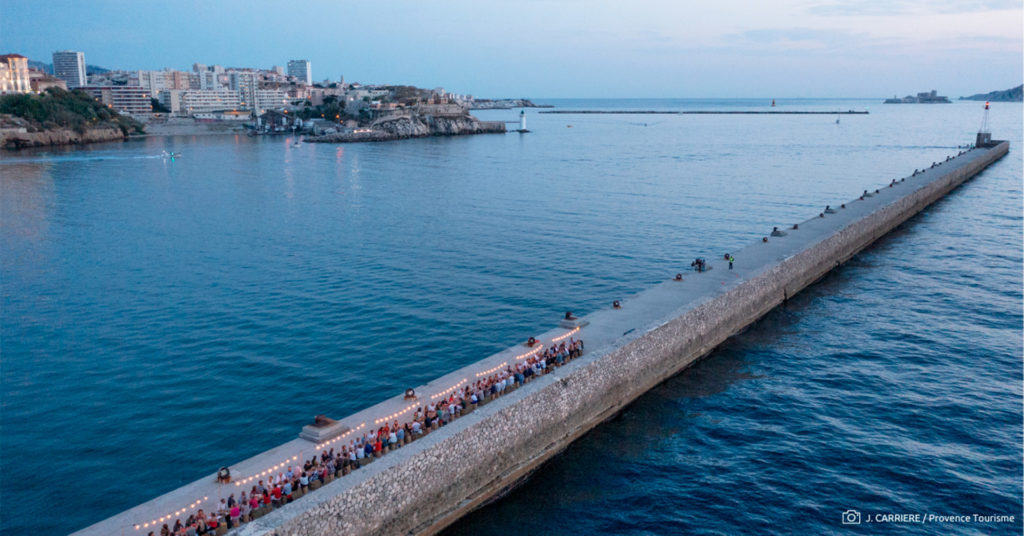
{"x": 184, "y": 315}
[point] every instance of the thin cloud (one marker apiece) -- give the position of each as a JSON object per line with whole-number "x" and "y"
{"x": 799, "y": 39}
{"x": 907, "y": 7}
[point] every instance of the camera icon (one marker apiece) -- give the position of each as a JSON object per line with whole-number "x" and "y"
{"x": 851, "y": 517}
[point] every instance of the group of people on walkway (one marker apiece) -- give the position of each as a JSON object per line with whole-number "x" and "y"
{"x": 286, "y": 486}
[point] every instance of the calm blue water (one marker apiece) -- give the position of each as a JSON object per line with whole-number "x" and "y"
{"x": 161, "y": 319}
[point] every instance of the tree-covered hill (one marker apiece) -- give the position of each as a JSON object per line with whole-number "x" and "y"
{"x": 1015, "y": 94}
{"x": 58, "y": 108}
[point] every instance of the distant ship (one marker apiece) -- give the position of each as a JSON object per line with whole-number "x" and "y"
{"x": 928, "y": 97}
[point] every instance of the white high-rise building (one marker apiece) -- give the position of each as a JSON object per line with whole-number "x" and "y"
{"x": 69, "y": 66}
{"x": 302, "y": 70}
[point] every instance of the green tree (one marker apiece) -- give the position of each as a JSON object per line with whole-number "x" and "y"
{"x": 76, "y": 110}
{"x": 159, "y": 108}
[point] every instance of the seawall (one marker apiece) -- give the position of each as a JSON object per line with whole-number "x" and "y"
{"x": 425, "y": 485}
{"x": 706, "y": 112}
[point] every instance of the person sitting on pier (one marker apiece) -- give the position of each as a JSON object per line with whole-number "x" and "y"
{"x": 568, "y": 316}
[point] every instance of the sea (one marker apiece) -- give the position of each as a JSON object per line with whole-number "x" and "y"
{"x": 166, "y": 317}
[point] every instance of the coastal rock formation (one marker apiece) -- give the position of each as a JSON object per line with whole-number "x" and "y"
{"x": 18, "y": 138}
{"x": 505, "y": 104}
{"x": 1015, "y": 94}
{"x": 403, "y": 126}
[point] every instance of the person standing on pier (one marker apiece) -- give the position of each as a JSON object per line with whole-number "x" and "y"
{"x": 731, "y": 259}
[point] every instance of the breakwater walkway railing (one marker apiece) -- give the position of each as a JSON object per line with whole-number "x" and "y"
{"x": 429, "y": 483}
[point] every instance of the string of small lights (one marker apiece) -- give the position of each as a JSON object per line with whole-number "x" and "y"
{"x": 530, "y": 353}
{"x": 268, "y": 471}
{"x": 492, "y": 370}
{"x": 395, "y": 414}
{"x": 339, "y": 438}
{"x": 449, "y": 390}
{"x": 171, "y": 515}
{"x": 566, "y": 336}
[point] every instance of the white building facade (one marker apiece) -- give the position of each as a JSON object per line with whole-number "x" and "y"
{"x": 206, "y": 100}
{"x": 14, "y": 74}
{"x": 125, "y": 99}
{"x": 270, "y": 99}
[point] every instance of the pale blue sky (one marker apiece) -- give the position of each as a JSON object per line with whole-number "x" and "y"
{"x": 788, "y": 48}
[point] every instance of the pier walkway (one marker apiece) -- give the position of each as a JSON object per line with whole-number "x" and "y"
{"x": 653, "y": 335}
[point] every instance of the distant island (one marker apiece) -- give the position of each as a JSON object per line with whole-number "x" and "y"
{"x": 928, "y": 97}
{"x": 60, "y": 117}
{"x": 505, "y": 104}
{"x": 1007, "y": 95}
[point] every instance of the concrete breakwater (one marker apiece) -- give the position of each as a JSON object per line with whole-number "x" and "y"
{"x": 425, "y": 484}
{"x": 706, "y": 112}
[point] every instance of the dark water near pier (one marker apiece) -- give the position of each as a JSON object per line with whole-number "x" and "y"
{"x": 161, "y": 319}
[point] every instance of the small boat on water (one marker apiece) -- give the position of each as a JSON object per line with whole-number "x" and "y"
{"x": 171, "y": 155}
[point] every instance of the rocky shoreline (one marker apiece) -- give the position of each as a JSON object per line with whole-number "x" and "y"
{"x": 20, "y": 138}
{"x": 413, "y": 126}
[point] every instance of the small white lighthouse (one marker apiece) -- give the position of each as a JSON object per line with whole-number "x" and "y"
{"x": 522, "y": 120}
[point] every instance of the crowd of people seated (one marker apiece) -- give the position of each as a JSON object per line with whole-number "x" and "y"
{"x": 286, "y": 486}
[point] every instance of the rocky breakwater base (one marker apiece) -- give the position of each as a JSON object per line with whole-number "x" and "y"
{"x": 505, "y": 104}
{"x": 20, "y": 138}
{"x": 631, "y": 347}
{"x": 414, "y": 125}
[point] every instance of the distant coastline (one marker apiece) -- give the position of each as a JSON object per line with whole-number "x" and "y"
{"x": 1015, "y": 94}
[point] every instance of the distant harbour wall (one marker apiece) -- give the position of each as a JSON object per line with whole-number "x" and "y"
{"x": 428, "y": 484}
{"x": 706, "y": 112}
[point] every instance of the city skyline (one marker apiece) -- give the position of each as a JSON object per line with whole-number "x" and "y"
{"x": 836, "y": 48}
